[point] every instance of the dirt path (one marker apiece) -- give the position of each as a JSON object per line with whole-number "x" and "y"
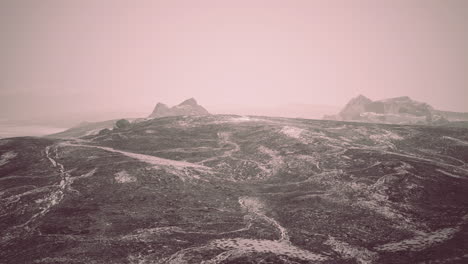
{"x": 236, "y": 247}
{"x": 224, "y": 139}
{"x": 182, "y": 169}
{"x": 147, "y": 158}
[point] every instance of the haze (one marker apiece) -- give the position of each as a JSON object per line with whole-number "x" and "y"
{"x": 88, "y": 60}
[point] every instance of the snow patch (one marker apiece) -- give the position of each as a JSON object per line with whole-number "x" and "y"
{"x": 403, "y": 168}
{"x": 276, "y": 162}
{"x": 456, "y": 140}
{"x": 266, "y": 246}
{"x": 293, "y": 132}
{"x": 6, "y": 157}
{"x": 309, "y": 159}
{"x": 380, "y": 205}
{"x": 347, "y": 251}
{"x": 420, "y": 242}
{"x": 151, "y": 159}
{"x": 182, "y": 169}
{"x": 92, "y": 132}
{"x": 385, "y": 139}
{"x": 237, "y": 247}
{"x": 307, "y": 136}
{"x": 255, "y": 207}
{"x": 149, "y": 234}
{"x": 185, "y": 123}
{"x": 240, "y": 119}
{"x": 124, "y": 177}
{"x": 56, "y": 196}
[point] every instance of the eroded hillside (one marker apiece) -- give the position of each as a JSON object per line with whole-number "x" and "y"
{"x": 231, "y": 189}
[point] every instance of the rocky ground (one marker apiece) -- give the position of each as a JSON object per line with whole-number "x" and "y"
{"x": 232, "y": 189}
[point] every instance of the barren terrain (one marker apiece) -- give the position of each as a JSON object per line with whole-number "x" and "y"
{"x": 232, "y": 189}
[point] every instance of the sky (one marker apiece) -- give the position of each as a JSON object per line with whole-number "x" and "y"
{"x": 82, "y": 58}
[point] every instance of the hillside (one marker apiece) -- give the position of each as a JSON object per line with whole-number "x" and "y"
{"x": 85, "y": 129}
{"x": 237, "y": 189}
{"x": 189, "y": 107}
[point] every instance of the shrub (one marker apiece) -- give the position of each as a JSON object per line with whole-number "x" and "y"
{"x": 122, "y": 124}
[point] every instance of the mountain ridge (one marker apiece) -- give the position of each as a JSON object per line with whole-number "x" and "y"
{"x": 189, "y": 107}
{"x": 396, "y": 110}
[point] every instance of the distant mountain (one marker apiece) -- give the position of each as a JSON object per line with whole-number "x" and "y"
{"x": 398, "y": 110}
{"x": 355, "y": 107}
{"x": 188, "y": 107}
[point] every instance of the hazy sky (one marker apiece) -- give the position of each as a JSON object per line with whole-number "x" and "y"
{"x": 87, "y": 55}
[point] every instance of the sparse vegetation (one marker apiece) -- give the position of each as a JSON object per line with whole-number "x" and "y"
{"x": 122, "y": 124}
{"x": 277, "y": 190}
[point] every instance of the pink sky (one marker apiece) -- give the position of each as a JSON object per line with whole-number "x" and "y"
{"x": 68, "y": 56}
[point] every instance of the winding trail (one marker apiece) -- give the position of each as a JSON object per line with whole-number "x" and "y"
{"x": 237, "y": 247}
{"x": 268, "y": 169}
{"x": 224, "y": 139}
{"x": 56, "y": 196}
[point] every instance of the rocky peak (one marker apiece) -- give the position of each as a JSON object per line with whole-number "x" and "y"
{"x": 160, "y": 110}
{"x": 189, "y": 102}
{"x": 355, "y": 107}
{"x": 397, "y": 110}
{"x": 360, "y": 99}
{"x": 189, "y": 107}
{"x": 161, "y": 106}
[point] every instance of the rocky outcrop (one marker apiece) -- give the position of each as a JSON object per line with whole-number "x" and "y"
{"x": 398, "y": 110}
{"x": 189, "y": 107}
{"x": 355, "y": 107}
{"x": 161, "y": 110}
